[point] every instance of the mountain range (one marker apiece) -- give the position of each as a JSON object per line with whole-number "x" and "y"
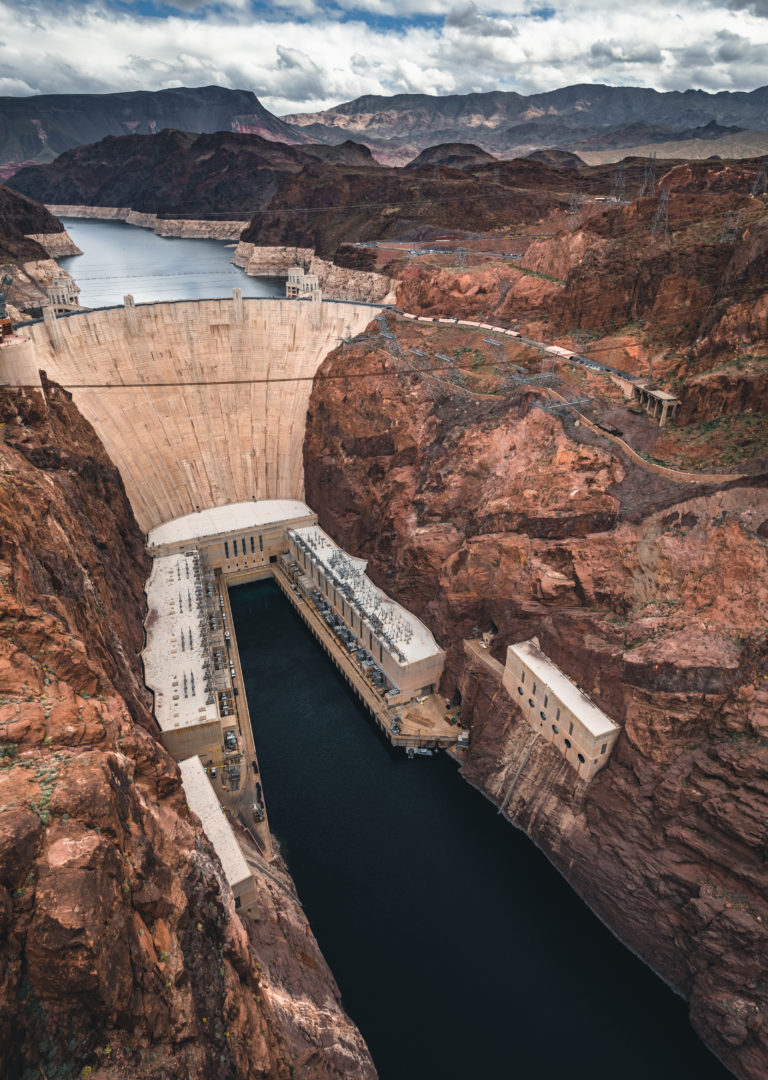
{"x": 38, "y": 129}
{"x": 589, "y": 119}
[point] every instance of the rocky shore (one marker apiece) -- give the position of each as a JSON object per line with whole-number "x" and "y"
{"x": 179, "y": 227}
{"x": 336, "y": 282}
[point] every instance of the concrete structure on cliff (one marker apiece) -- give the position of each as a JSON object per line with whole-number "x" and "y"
{"x": 198, "y": 403}
{"x": 558, "y": 710}
{"x": 203, "y": 801}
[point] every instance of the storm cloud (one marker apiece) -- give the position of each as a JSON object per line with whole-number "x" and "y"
{"x": 303, "y": 55}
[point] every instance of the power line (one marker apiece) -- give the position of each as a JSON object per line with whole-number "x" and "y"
{"x": 318, "y": 377}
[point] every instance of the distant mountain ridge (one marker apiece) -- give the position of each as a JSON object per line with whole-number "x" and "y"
{"x": 397, "y": 128}
{"x": 37, "y": 129}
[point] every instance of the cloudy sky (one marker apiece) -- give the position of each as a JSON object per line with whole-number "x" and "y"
{"x": 302, "y": 55}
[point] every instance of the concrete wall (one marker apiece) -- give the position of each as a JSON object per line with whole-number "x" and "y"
{"x": 181, "y": 415}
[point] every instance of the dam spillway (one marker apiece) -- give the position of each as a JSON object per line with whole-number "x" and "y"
{"x": 198, "y": 403}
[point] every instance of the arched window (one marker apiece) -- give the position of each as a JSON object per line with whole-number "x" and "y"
{"x": 568, "y": 744}
{"x": 555, "y": 728}
{"x": 519, "y": 689}
{"x": 531, "y": 702}
{"x": 543, "y": 715}
{"x": 581, "y": 758}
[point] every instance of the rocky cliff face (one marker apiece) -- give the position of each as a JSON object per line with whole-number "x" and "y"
{"x": 120, "y": 948}
{"x": 480, "y": 513}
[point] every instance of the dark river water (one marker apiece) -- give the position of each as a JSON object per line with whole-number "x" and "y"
{"x": 460, "y": 952}
{"x": 119, "y": 259}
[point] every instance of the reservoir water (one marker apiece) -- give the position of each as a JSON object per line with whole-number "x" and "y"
{"x": 119, "y": 259}
{"x": 460, "y": 952}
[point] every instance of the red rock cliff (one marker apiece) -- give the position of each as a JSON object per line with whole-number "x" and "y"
{"x": 120, "y": 947}
{"x": 479, "y": 513}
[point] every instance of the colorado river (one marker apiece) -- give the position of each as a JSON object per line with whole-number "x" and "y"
{"x": 460, "y": 952}
{"x": 119, "y": 259}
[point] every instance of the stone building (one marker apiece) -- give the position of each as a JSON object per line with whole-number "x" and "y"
{"x": 558, "y": 710}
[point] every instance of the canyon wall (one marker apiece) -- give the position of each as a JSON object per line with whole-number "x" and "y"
{"x": 58, "y": 245}
{"x": 481, "y": 513}
{"x": 120, "y": 947}
{"x": 187, "y": 229}
{"x": 198, "y": 403}
{"x": 335, "y": 282}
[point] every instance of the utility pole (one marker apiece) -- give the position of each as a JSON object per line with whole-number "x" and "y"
{"x": 575, "y": 207}
{"x": 649, "y": 177}
{"x": 761, "y": 180}
{"x": 730, "y": 233}
{"x": 618, "y": 185}
{"x": 660, "y": 224}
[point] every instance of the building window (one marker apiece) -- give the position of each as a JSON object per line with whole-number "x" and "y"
{"x": 543, "y": 715}
{"x": 226, "y": 549}
{"x": 581, "y": 758}
{"x": 558, "y": 715}
{"x": 261, "y": 543}
{"x": 546, "y": 700}
{"x": 534, "y": 688}
{"x": 570, "y": 726}
{"x": 234, "y": 547}
{"x": 604, "y": 748}
{"x": 531, "y": 702}
{"x": 237, "y": 903}
{"x": 522, "y": 677}
{"x": 520, "y": 690}
{"x": 568, "y": 743}
{"x": 555, "y": 729}
{"x": 253, "y": 547}
{"x": 381, "y": 654}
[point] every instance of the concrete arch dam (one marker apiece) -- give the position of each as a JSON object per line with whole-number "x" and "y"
{"x": 188, "y": 397}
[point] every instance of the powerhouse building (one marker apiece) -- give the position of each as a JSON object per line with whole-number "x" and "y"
{"x": 398, "y": 644}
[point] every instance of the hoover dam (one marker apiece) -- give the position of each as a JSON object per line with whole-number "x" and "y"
{"x": 198, "y": 403}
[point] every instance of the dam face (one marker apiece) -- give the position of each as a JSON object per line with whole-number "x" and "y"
{"x": 198, "y": 403}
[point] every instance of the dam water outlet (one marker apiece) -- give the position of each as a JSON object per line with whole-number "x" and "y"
{"x": 459, "y": 951}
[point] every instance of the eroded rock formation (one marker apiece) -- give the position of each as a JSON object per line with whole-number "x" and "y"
{"x": 119, "y": 944}
{"x": 482, "y": 514}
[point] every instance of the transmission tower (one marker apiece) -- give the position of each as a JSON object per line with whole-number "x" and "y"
{"x": 496, "y": 174}
{"x": 730, "y": 233}
{"x": 575, "y": 207}
{"x": 660, "y": 226}
{"x": 648, "y": 186}
{"x": 761, "y": 180}
{"x": 461, "y": 256}
{"x": 618, "y": 185}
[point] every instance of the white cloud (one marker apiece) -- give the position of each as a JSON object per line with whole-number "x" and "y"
{"x": 309, "y": 55}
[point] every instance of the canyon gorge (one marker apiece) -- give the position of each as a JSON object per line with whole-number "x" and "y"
{"x": 479, "y": 510}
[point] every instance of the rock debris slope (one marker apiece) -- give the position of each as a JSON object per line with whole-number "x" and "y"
{"x": 483, "y": 514}
{"x": 120, "y": 950}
